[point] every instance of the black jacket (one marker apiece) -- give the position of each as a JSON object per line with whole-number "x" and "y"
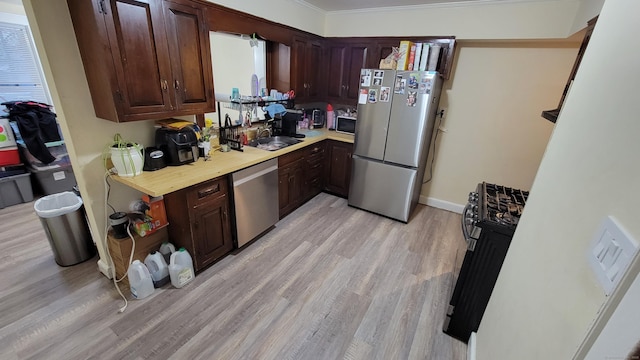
{"x": 37, "y": 125}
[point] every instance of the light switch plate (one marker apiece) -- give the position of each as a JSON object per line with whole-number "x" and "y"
{"x": 611, "y": 253}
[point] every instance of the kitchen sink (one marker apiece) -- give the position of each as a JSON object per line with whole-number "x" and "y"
{"x": 273, "y": 143}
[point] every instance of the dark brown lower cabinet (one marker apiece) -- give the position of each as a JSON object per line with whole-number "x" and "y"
{"x": 199, "y": 221}
{"x": 314, "y": 160}
{"x": 290, "y": 181}
{"x": 338, "y": 167}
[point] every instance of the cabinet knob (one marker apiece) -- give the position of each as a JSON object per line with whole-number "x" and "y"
{"x": 164, "y": 84}
{"x": 176, "y": 84}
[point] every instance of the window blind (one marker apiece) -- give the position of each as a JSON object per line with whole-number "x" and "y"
{"x": 20, "y": 75}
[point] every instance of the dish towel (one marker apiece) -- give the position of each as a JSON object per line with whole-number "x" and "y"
{"x": 274, "y": 109}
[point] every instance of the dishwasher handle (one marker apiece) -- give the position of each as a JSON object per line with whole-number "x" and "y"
{"x": 252, "y": 176}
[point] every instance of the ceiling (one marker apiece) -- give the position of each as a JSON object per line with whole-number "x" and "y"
{"x": 341, "y": 5}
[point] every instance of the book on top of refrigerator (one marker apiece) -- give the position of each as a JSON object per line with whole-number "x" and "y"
{"x": 404, "y": 50}
{"x": 416, "y": 60}
{"x": 424, "y": 57}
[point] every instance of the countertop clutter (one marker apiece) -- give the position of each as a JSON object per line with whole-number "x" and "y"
{"x": 173, "y": 178}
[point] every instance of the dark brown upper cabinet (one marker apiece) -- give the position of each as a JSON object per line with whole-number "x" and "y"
{"x": 345, "y": 62}
{"x": 144, "y": 59}
{"x": 346, "y": 56}
{"x": 306, "y": 77}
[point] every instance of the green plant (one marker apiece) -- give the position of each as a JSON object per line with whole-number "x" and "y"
{"x": 122, "y": 150}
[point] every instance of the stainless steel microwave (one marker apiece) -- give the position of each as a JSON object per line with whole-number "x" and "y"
{"x": 346, "y": 124}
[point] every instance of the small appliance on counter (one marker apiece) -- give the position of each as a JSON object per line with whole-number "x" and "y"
{"x": 179, "y": 146}
{"x": 316, "y": 117}
{"x": 287, "y": 123}
{"x": 153, "y": 159}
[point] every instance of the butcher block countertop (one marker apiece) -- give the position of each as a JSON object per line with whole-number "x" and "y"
{"x": 173, "y": 178}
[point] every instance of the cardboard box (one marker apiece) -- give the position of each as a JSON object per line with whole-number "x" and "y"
{"x": 120, "y": 249}
{"x": 155, "y": 217}
{"x": 388, "y": 64}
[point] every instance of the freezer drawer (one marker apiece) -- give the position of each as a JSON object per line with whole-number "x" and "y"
{"x": 384, "y": 189}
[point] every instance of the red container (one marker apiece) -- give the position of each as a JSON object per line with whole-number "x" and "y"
{"x": 9, "y": 156}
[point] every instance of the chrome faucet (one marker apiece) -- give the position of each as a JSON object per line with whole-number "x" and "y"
{"x": 262, "y": 131}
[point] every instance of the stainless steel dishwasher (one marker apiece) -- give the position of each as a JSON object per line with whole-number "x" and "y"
{"x": 255, "y": 196}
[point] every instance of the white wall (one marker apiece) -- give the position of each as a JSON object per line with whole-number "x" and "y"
{"x": 494, "y": 131}
{"x": 288, "y": 12}
{"x": 546, "y": 297}
{"x": 510, "y": 20}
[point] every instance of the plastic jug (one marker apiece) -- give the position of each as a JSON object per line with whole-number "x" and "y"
{"x": 181, "y": 268}
{"x": 166, "y": 249}
{"x": 158, "y": 269}
{"x": 140, "y": 280}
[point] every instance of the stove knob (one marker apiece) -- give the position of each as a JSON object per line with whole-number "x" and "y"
{"x": 469, "y": 221}
{"x": 473, "y": 197}
{"x": 474, "y": 208}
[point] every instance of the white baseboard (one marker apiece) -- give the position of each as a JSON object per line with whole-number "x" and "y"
{"x": 104, "y": 268}
{"x": 471, "y": 347}
{"x": 441, "y": 204}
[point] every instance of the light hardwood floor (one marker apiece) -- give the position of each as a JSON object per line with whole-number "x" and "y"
{"x": 329, "y": 282}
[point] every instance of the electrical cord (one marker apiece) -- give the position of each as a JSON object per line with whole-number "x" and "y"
{"x": 133, "y": 247}
{"x": 435, "y": 139}
{"x": 108, "y": 191}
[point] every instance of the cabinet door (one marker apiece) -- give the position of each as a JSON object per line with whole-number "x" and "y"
{"x": 211, "y": 231}
{"x": 137, "y": 38}
{"x": 298, "y": 60}
{"x": 312, "y": 69}
{"x": 339, "y": 168}
{"x": 345, "y": 63}
{"x": 290, "y": 181}
{"x": 306, "y": 74}
{"x": 382, "y": 49}
{"x": 190, "y": 57}
{"x": 314, "y": 161}
{"x": 357, "y": 60}
{"x": 336, "y": 87}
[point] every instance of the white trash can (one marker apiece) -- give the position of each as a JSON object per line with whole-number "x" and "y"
{"x": 63, "y": 219}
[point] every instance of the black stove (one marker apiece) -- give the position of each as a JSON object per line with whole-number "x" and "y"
{"x": 489, "y": 221}
{"x": 492, "y": 206}
{"x": 503, "y": 205}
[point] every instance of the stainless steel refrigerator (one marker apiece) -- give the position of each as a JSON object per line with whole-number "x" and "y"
{"x": 394, "y": 127}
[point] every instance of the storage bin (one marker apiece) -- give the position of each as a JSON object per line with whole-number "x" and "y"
{"x": 54, "y": 180}
{"x": 57, "y": 149}
{"x": 9, "y": 156}
{"x": 15, "y": 189}
{"x": 11, "y": 170}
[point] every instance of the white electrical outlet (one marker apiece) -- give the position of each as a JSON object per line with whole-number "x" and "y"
{"x": 610, "y": 253}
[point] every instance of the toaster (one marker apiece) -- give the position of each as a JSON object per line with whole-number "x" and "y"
{"x": 179, "y": 146}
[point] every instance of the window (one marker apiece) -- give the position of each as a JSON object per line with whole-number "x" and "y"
{"x": 21, "y": 76}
